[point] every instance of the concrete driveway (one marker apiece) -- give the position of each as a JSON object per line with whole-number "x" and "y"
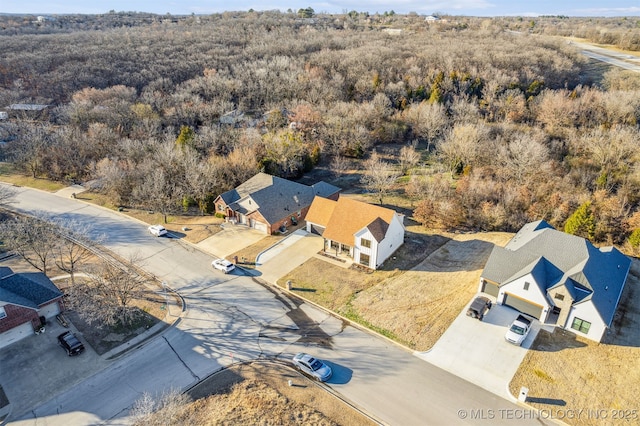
{"x": 36, "y": 367}
{"x": 288, "y": 254}
{"x": 476, "y": 350}
{"x": 231, "y": 239}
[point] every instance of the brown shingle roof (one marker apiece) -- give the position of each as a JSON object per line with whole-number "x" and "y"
{"x": 349, "y": 216}
{"x": 320, "y": 211}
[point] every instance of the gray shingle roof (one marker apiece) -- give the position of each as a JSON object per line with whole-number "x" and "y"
{"x": 324, "y": 189}
{"x": 274, "y": 197}
{"x": 556, "y": 258}
{"x": 29, "y": 289}
{"x": 378, "y": 229}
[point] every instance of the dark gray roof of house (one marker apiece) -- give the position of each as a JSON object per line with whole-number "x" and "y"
{"x": 378, "y": 229}
{"x": 274, "y": 197}
{"x": 568, "y": 260}
{"x": 324, "y": 189}
{"x": 29, "y": 289}
{"x": 5, "y": 271}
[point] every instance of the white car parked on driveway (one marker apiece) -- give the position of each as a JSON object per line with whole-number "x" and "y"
{"x": 223, "y": 265}
{"x": 157, "y": 230}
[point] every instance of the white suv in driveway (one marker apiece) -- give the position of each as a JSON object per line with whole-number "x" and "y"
{"x": 223, "y": 265}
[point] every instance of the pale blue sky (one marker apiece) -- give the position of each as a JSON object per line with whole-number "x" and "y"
{"x": 423, "y": 7}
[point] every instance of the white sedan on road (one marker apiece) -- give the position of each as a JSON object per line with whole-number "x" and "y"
{"x": 223, "y": 265}
{"x": 157, "y": 230}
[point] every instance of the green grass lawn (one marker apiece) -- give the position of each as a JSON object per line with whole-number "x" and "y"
{"x": 9, "y": 174}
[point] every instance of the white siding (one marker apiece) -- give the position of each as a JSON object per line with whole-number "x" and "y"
{"x": 586, "y": 311}
{"x": 533, "y": 294}
{"x": 380, "y": 251}
{"x": 371, "y": 251}
{"x": 392, "y": 241}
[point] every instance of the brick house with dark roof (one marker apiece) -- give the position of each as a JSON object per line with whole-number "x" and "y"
{"x": 24, "y": 298}
{"x": 267, "y": 202}
{"x": 367, "y": 233}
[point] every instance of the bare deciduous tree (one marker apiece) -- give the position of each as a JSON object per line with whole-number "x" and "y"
{"x": 378, "y": 177}
{"x": 33, "y": 238}
{"x": 106, "y": 296}
{"x": 74, "y": 246}
{"x": 409, "y": 158}
{"x": 161, "y": 411}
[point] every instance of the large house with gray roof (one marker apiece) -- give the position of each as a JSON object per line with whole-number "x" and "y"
{"x": 24, "y": 298}
{"x": 558, "y": 278}
{"x": 268, "y": 203}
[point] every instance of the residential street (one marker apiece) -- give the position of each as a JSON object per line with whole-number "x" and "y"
{"x": 230, "y": 318}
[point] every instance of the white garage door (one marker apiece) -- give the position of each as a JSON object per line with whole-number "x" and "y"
{"x": 49, "y": 311}
{"x": 259, "y": 226}
{"x": 15, "y": 334}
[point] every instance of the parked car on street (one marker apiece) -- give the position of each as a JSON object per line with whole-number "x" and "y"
{"x": 223, "y": 265}
{"x": 479, "y": 307}
{"x": 312, "y": 366}
{"x": 518, "y": 330}
{"x": 157, "y": 230}
{"x": 70, "y": 343}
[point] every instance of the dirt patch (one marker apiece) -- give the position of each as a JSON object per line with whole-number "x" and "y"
{"x": 562, "y": 368}
{"x": 259, "y": 393}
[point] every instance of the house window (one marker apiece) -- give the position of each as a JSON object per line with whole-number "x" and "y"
{"x": 581, "y": 325}
{"x": 526, "y": 285}
{"x": 365, "y": 243}
{"x": 364, "y": 259}
{"x": 558, "y": 296}
{"x": 3, "y": 314}
{"x": 220, "y": 207}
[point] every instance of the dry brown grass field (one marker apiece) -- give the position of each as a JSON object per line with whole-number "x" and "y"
{"x": 259, "y": 394}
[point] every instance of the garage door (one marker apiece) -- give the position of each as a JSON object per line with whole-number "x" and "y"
{"x": 15, "y": 334}
{"x": 50, "y": 310}
{"x": 523, "y": 306}
{"x": 259, "y": 226}
{"x": 490, "y": 288}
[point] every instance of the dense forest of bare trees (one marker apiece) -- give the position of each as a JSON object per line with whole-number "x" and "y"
{"x": 499, "y": 121}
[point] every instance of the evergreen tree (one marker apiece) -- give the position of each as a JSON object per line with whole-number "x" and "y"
{"x": 581, "y": 222}
{"x": 186, "y": 137}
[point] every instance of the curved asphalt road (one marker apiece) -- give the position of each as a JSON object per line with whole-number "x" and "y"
{"x": 234, "y": 318}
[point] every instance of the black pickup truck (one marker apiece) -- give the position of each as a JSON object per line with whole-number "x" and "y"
{"x": 479, "y": 307}
{"x": 70, "y": 343}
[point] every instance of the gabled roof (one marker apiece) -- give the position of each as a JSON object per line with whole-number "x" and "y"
{"x": 350, "y": 216}
{"x": 320, "y": 211}
{"x": 587, "y": 272}
{"x": 29, "y": 289}
{"x": 378, "y": 229}
{"x": 324, "y": 189}
{"x": 274, "y": 197}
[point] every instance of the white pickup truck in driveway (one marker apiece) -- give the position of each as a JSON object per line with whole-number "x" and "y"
{"x": 518, "y": 330}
